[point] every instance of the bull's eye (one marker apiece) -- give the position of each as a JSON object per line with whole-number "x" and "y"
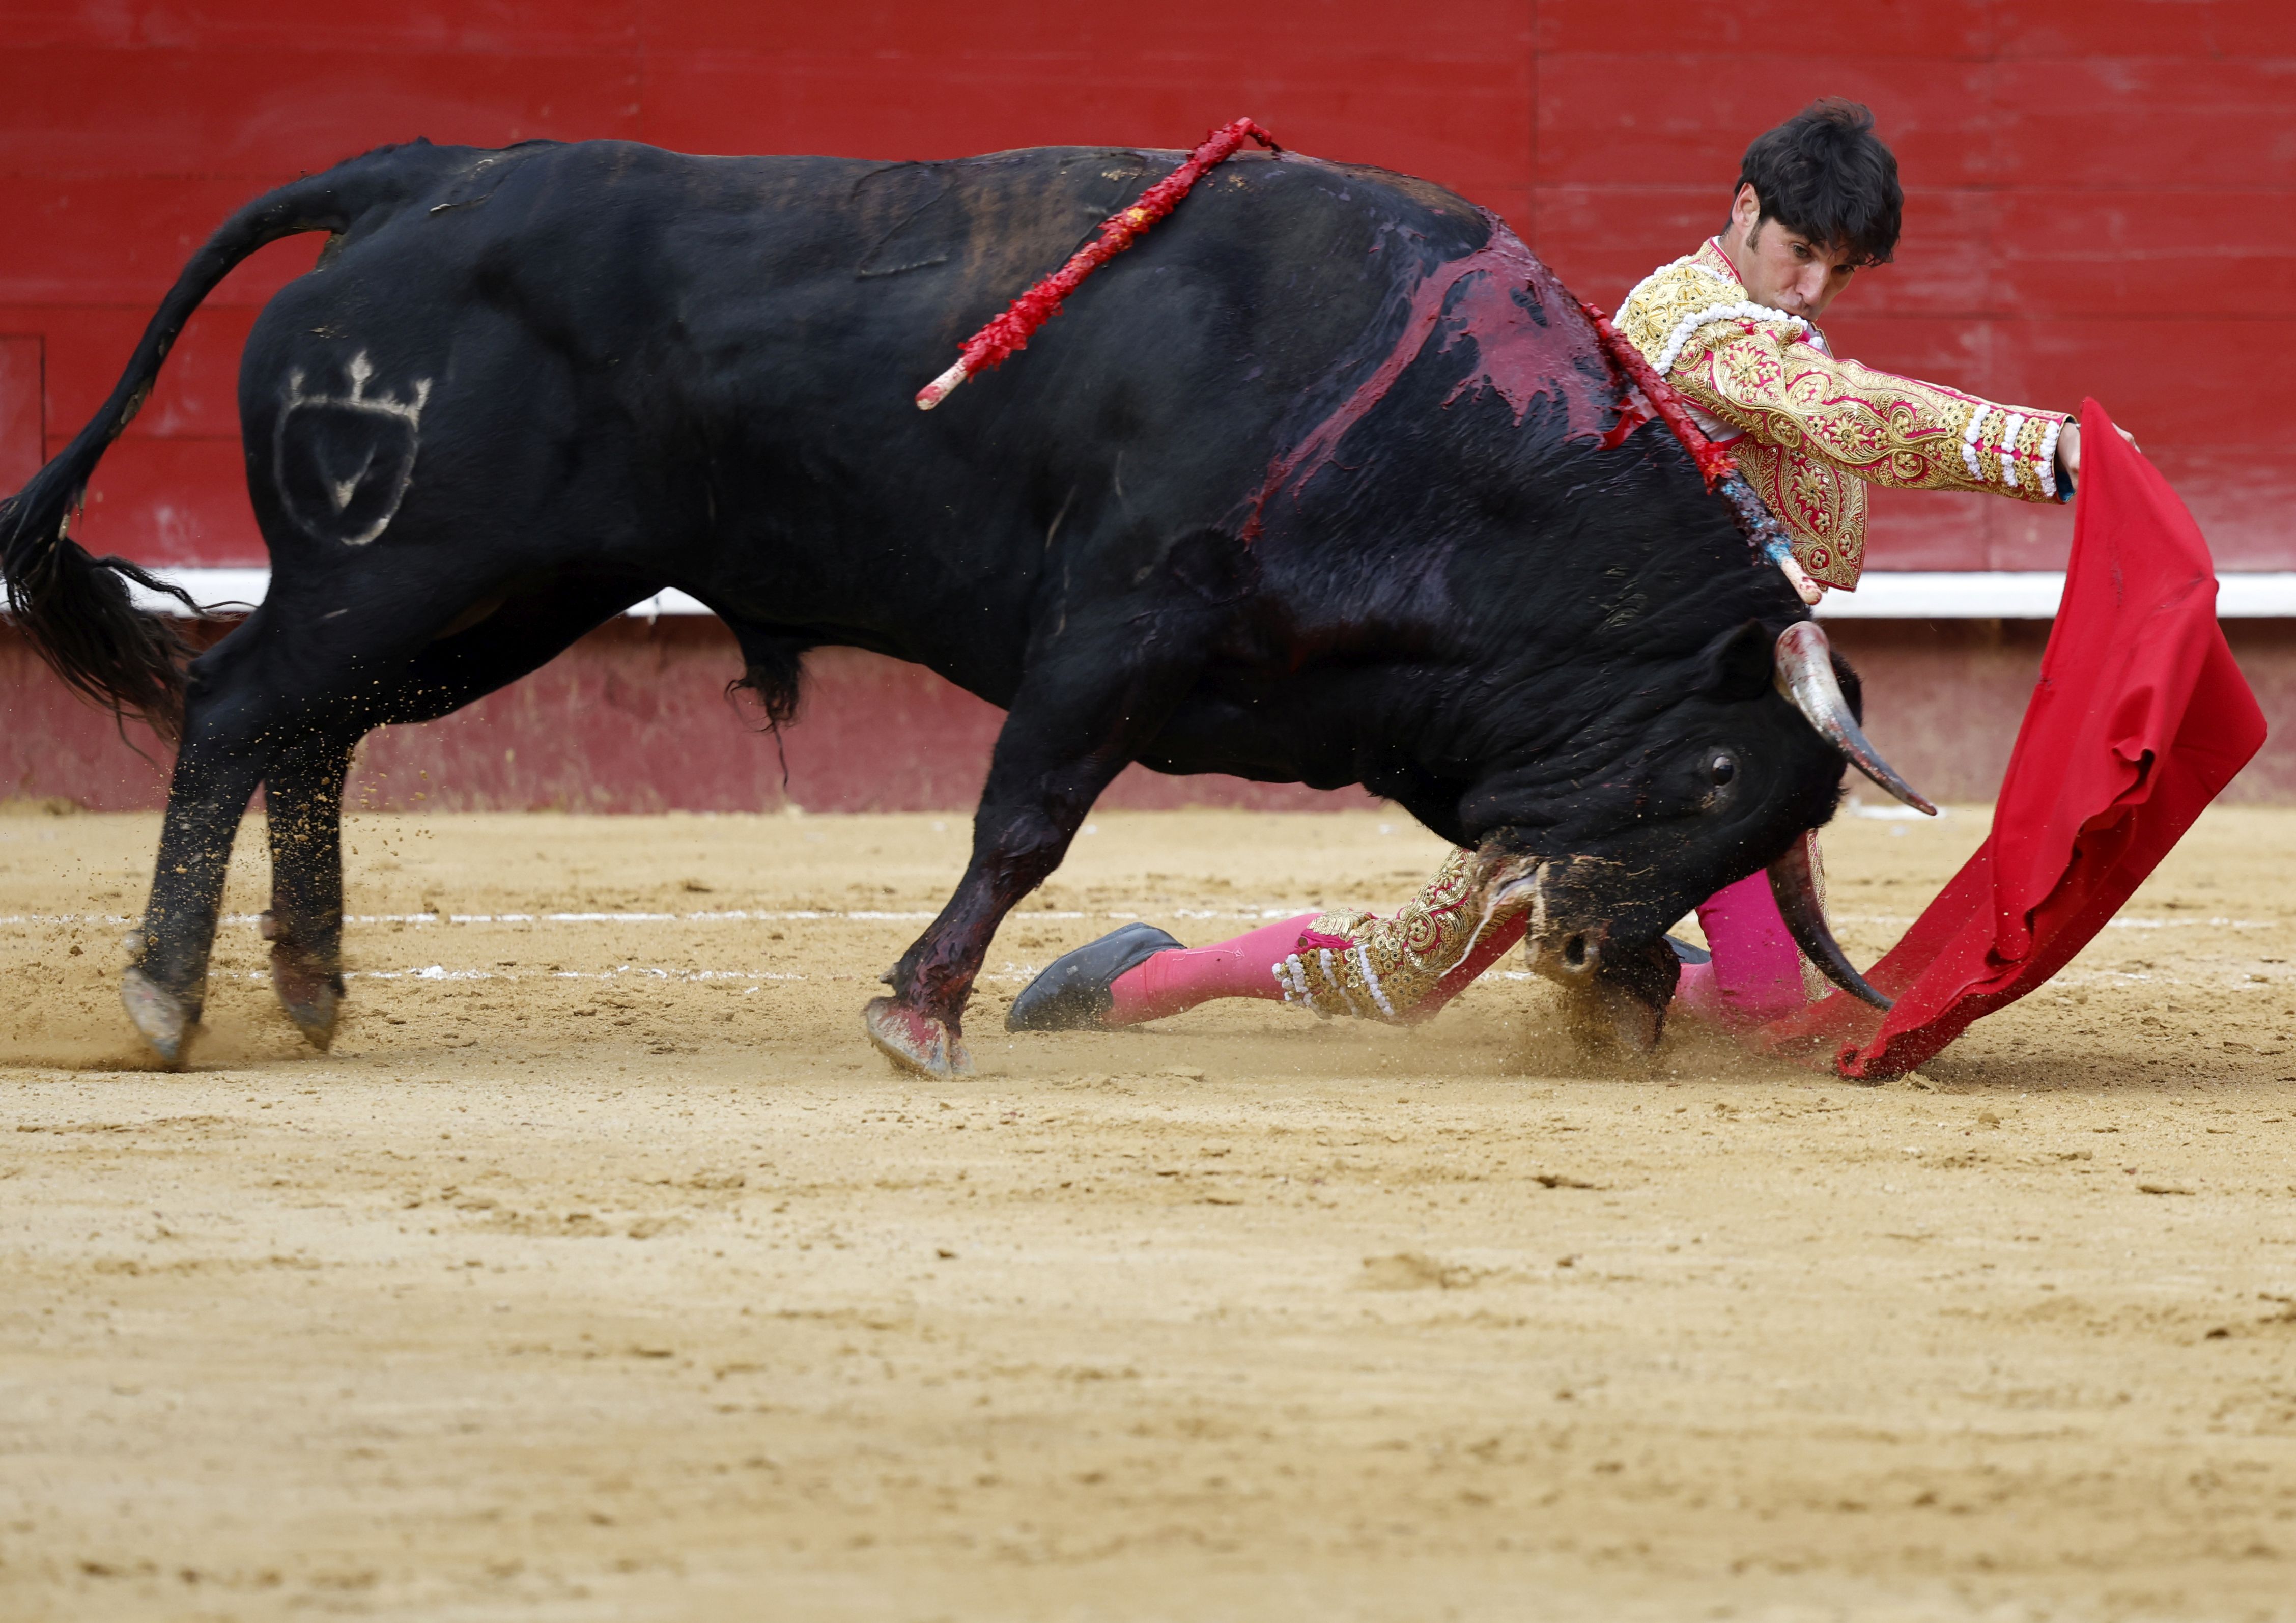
{"x": 1721, "y": 769}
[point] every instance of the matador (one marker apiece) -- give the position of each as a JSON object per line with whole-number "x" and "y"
{"x": 1734, "y": 327}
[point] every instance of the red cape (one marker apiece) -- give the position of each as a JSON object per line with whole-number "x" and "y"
{"x": 2139, "y": 719}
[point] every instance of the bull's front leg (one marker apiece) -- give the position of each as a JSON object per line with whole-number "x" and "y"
{"x": 920, "y": 1028}
{"x": 1066, "y": 738}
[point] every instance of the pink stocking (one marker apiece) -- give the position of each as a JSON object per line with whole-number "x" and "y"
{"x": 1183, "y": 977}
{"x": 1756, "y": 973}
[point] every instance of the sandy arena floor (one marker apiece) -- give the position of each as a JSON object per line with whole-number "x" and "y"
{"x": 602, "y": 1271}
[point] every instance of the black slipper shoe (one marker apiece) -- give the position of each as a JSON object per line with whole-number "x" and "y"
{"x": 1072, "y": 994}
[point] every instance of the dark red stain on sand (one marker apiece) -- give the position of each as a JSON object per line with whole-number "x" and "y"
{"x": 1514, "y": 355}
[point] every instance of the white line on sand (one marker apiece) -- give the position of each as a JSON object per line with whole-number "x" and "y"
{"x": 728, "y": 916}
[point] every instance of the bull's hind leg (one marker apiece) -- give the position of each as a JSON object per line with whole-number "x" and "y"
{"x": 277, "y": 700}
{"x": 272, "y": 700}
{"x": 304, "y": 790}
{"x": 304, "y": 794}
{"x": 226, "y": 751}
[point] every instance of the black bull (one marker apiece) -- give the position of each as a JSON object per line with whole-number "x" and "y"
{"x": 1323, "y": 482}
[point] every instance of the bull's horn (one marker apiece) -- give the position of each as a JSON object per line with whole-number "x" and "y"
{"x": 1796, "y": 897}
{"x": 1805, "y": 668}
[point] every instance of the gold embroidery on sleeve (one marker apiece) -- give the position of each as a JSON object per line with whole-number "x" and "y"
{"x": 1815, "y": 427}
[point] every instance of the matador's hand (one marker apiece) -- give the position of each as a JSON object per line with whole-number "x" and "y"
{"x": 2069, "y": 448}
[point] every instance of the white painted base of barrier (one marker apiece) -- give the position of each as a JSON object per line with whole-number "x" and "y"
{"x": 2025, "y": 595}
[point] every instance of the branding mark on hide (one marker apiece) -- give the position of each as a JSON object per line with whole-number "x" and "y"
{"x": 343, "y": 463}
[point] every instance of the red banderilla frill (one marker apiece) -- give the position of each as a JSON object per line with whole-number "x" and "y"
{"x": 1763, "y": 534}
{"x": 1032, "y": 309}
{"x": 1715, "y": 462}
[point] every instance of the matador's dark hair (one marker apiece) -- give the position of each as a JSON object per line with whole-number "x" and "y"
{"x": 1825, "y": 172}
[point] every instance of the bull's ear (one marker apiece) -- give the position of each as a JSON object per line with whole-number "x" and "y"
{"x": 1739, "y": 665}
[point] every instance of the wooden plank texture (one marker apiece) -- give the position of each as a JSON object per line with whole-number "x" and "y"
{"x": 2102, "y": 193}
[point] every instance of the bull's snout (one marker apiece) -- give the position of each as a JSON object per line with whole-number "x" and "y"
{"x": 1556, "y": 942}
{"x": 1572, "y": 957}
{"x": 1618, "y": 989}
{"x": 1560, "y": 939}
{"x": 1616, "y": 994}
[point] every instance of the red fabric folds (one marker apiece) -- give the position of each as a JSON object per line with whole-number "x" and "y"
{"x": 2139, "y": 719}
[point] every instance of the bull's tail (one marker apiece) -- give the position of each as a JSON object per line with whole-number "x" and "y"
{"x": 76, "y": 608}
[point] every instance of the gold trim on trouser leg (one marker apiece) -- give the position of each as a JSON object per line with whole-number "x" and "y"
{"x": 1356, "y": 963}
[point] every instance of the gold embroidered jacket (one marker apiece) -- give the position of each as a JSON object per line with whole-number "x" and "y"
{"x": 1806, "y": 428}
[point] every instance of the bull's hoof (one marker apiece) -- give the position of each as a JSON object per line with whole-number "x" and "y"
{"x": 310, "y": 995}
{"x": 914, "y": 1041}
{"x": 166, "y": 1022}
{"x": 1072, "y": 994}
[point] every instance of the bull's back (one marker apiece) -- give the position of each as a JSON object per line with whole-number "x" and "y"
{"x": 734, "y": 272}
{"x": 705, "y": 365}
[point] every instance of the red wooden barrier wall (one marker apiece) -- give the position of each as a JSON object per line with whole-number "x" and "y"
{"x": 2100, "y": 191}
{"x": 2103, "y": 192}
